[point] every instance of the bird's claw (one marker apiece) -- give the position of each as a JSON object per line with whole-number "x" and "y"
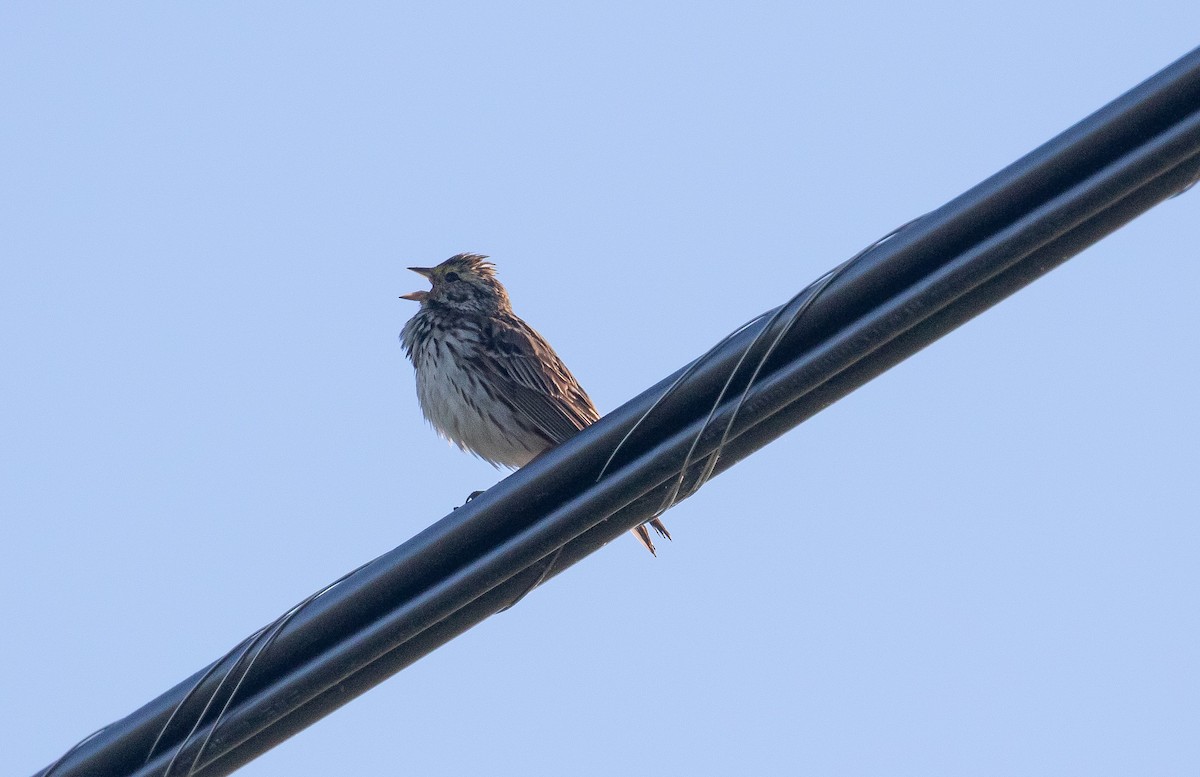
{"x": 470, "y": 496}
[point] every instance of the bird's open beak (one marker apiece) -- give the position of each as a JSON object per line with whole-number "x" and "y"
{"x": 419, "y": 296}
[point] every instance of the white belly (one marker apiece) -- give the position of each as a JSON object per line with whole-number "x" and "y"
{"x": 464, "y": 414}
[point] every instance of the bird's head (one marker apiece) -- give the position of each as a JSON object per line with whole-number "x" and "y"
{"x": 465, "y": 283}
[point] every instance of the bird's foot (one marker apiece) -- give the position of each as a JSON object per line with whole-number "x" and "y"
{"x": 470, "y": 496}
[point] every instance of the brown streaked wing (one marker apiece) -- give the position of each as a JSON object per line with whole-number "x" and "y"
{"x": 534, "y": 381}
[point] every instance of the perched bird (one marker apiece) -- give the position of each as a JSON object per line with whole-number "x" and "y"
{"x": 485, "y": 379}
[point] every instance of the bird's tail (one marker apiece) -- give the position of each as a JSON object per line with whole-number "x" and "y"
{"x": 643, "y": 534}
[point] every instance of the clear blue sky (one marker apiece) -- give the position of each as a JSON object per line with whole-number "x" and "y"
{"x": 983, "y": 563}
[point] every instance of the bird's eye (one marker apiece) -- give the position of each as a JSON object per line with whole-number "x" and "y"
{"x": 451, "y": 276}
